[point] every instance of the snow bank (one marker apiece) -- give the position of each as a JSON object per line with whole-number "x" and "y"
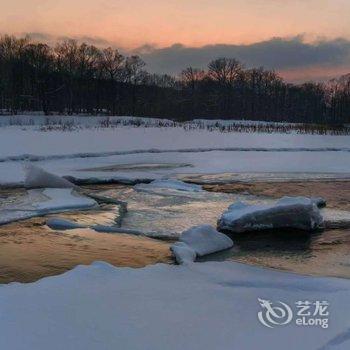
{"x": 204, "y": 239}
{"x": 197, "y": 306}
{"x": 170, "y": 184}
{"x": 289, "y": 212}
{"x": 81, "y": 121}
{"x": 36, "y": 177}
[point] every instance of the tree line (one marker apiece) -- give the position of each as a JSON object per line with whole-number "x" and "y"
{"x": 74, "y": 77}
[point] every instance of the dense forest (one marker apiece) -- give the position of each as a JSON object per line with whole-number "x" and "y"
{"x": 80, "y": 78}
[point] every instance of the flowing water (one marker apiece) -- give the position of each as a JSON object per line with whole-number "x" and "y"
{"x": 30, "y": 250}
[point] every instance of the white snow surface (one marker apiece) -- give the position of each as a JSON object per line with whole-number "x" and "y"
{"x": 23, "y": 143}
{"x": 94, "y": 152}
{"x": 195, "y": 306}
{"x": 204, "y": 239}
{"x": 242, "y": 164}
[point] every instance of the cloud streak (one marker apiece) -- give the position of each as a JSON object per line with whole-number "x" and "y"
{"x": 281, "y": 54}
{"x": 53, "y": 39}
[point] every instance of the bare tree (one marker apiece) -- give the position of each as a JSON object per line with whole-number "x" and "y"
{"x": 224, "y": 70}
{"x": 134, "y": 74}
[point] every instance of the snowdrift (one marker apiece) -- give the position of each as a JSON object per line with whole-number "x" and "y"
{"x": 197, "y": 306}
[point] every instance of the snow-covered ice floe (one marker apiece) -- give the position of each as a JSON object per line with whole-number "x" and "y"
{"x": 48, "y": 193}
{"x": 204, "y": 239}
{"x": 197, "y": 306}
{"x": 169, "y": 184}
{"x": 36, "y": 177}
{"x": 63, "y": 224}
{"x": 38, "y": 202}
{"x": 299, "y": 213}
{"x": 199, "y": 241}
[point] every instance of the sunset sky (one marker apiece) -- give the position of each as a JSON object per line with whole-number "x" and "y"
{"x": 314, "y": 25}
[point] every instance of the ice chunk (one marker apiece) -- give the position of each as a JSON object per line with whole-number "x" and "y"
{"x": 336, "y": 219}
{"x": 62, "y": 199}
{"x": 62, "y": 224}
{"x": 204, "y": 239}
{"x": 289, "y": 212}
{"x": 171, "y": 184}
{"x": 183, "y": 253}
{"x": 36, "y": 177}
{"x": 39, "y": 202}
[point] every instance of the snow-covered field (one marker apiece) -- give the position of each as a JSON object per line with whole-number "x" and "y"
{"x": 78, "y": 152}
{"x": 17, "y": 141}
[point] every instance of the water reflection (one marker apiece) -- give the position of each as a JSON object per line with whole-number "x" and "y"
{"x": 30, "y": 250}
{"x": 324, "y": 253}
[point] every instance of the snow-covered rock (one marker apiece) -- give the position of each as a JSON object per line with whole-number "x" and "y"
{"x": 289, "y": 212}
{"x": 204, "y": 239}
{"x": 183, "y": 253}
{"x": 170, "y": 184}
{"x": 207, "y": 306}
{"x": 36, "y": 177}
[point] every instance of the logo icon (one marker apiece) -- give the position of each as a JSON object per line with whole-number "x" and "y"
{"x": 274, "y": 315}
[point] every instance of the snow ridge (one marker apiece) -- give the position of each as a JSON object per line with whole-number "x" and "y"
{"x": 36, "y": 158}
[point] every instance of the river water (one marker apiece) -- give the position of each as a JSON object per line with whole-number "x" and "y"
{"x": 30, "y": 250}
